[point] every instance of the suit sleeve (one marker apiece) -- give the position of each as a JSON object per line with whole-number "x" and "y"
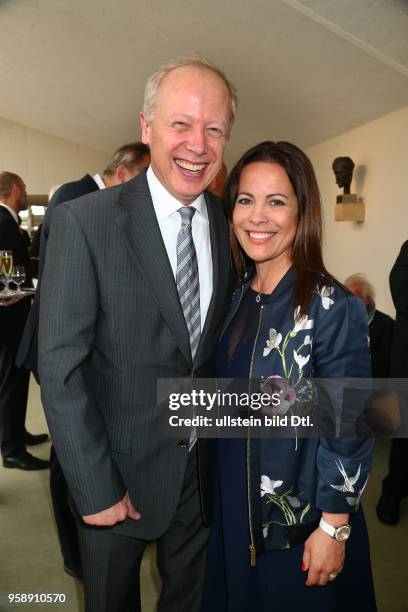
{"x": 341, "y": 351}
{"x": 68, "y": 317}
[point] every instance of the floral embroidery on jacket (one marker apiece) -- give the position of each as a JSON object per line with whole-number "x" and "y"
{"x": 287, "y": 395}
{"x": 274, "y": 342}
{"x": 325, "y": 293}
{"x": 290, "y": 354}
{"x": 290, "y": 505}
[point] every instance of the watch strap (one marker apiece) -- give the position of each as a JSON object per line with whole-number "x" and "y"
{"x": 327, "y": 528}
{"x": 340, "y": 533}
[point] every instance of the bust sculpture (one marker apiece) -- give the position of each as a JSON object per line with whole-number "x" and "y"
{"x": 349, "y": 206}
{"x": 343, "y": 169}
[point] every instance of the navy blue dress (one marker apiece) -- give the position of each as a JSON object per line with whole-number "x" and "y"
{"x": 277, "y": 581}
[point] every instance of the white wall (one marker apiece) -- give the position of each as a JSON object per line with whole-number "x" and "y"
{"x": 380, "y": 152}
{"x": 43, "y": 160}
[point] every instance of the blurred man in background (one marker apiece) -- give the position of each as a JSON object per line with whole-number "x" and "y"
{"x": 381, "y": 326}
{"x": 13, "y": 380}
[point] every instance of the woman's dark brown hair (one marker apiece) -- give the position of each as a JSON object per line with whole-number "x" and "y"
{"x": 307, "y": 257}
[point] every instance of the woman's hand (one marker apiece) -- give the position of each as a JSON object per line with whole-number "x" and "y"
{"x": 323, "y": 557}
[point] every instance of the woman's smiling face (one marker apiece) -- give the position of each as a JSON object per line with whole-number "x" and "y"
{"x": 265, "y": 215}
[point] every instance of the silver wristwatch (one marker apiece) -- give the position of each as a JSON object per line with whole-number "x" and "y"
{"x": 341, "y": 533}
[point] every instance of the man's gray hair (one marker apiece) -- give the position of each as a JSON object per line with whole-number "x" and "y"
{"x": 361, "y": 279}
{"x": 128, "y": 155}
{"x": 153, "y": 84}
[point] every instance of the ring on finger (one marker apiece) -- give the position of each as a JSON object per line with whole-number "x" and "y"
{"x": 332, "y": 576}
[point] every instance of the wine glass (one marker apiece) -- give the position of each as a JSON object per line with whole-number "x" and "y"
{"x": 18, "y": 276}
{"x": 6, "y": 266}
{"x": 2, "y": 281}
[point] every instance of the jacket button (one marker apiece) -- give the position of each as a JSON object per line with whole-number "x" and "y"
{"x": 182, "y": 443}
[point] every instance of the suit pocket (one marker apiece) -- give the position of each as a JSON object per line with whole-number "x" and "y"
{"x": 120, "y": 440}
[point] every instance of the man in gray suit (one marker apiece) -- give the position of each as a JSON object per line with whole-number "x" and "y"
{"x": 135, "y": 288}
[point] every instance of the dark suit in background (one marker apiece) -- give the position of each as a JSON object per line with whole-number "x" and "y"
{"x": 110, "y": 331}
{"x": 395, "y": 485}
{"x": 35, "y": 251}
{"x": 35, "y": 243}
{"x": 13, "y": 381}
{"x": 381, "y": 328}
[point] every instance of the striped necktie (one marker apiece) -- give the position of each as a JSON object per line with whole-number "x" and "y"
{"x": 187, "y": 281}
{"x": 188, "y": 286}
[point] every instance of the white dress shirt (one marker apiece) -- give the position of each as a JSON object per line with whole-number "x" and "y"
{"x": 166, "y": 208}
{"x": 11, "y": 211}
{"x": 98, "y": 180}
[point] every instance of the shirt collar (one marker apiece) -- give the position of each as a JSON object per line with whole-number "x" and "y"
{"x": 165, "y": 204}
{"x": 11, "y": 211}
{"x": 98, "y": 180}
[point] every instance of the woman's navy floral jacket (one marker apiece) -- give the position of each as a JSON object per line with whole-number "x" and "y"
{"x": 291, "y": 481}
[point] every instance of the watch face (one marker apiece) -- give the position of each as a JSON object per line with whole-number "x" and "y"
{"x": 342, "y": 533}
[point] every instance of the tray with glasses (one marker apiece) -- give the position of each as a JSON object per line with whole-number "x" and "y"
{"x": 16, "y": 275}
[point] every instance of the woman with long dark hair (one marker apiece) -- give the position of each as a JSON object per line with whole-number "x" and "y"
{"x": 288, "y": 532}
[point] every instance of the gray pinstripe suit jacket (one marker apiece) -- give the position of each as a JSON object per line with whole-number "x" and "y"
{"x": 111, "y": 324}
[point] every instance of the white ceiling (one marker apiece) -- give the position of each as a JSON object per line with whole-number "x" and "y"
{"x": 305, "y": 70}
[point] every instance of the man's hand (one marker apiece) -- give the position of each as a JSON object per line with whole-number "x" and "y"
{"x": 116, "y": 514}
{"x": 322, "y": 556}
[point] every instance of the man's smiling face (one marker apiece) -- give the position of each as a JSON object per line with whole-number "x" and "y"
{"x": 188, "y": 131}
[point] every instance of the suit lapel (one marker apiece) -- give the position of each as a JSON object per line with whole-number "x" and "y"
{"x": 141, "y": 232}
{"x": 220, "y": 265}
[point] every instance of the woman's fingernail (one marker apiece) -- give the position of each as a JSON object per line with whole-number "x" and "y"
{"x": 303, "y": 567}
